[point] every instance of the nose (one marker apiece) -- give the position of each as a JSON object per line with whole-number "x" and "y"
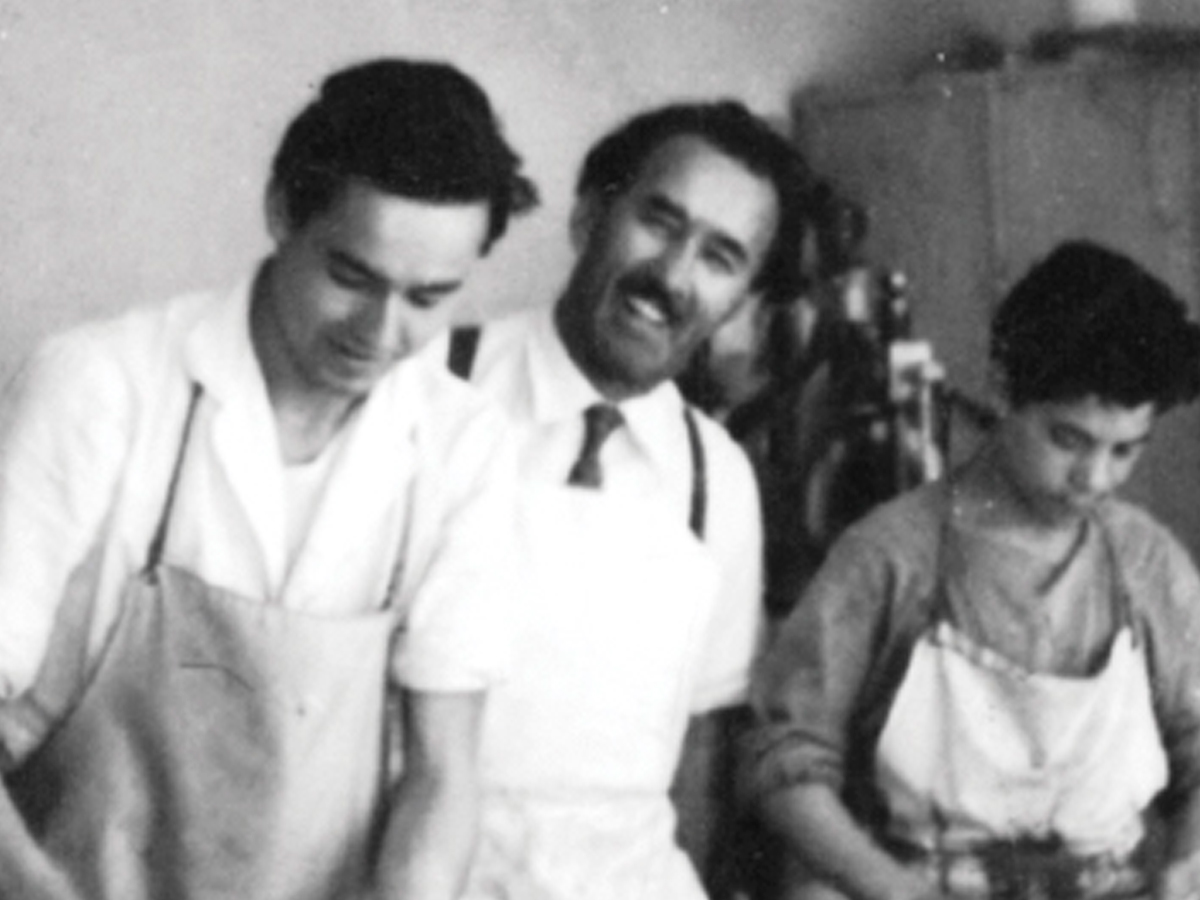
{"x": 1095, "y": 474}
{"x": 381, "y": 326}
{"x": 675, "y": 265}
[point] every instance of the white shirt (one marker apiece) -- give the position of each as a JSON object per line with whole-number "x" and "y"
{"x": 522, "y": 362}
{"x": 90, "y": 429}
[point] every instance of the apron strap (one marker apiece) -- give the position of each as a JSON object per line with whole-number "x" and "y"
{"x": 698, "y": 516}
{"x": 939, "y": 609}
{"x": 1120, "y": 582}
{"x": 154, "y": 554}
{"x": 464, "y": 342}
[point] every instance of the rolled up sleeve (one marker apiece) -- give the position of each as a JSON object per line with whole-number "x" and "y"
{"x": 814, "y": 680}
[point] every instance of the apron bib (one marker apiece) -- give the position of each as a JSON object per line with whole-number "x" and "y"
{"x": 224, "y": 748}
{"x": 582, "y": 741}
{"x": 976, "y": 749}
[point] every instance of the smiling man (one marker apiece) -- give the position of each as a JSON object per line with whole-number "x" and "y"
{"x": 992, "y": 687}
{"x": 640, "y": 519}
{"x": 234, "y": 527}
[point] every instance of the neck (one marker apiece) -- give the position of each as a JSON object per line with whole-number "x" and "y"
{"x": 307, "y": 417}
{"x": 306, "y": 429}
{"x": 987, "y": 496}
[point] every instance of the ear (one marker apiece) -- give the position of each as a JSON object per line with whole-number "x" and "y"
{"x": 585, "y": 217}
{"x": 279, "y": 224}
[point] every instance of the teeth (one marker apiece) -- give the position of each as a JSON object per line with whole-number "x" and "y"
{"x": 648, "y": 309}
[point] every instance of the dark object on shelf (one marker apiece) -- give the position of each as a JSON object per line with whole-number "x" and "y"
{"x": 972, "y": 53}
{"x": 1145, "y": 42}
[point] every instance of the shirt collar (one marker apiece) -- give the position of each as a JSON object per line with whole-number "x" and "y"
{"x": 218, "y": 352}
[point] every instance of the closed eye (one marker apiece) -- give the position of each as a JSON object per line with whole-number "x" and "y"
{"x": 1069, "y": 439}
{"x": 430, "y": 296}
{"x": 727, "y": 259}
{"x": 348, "y": 273}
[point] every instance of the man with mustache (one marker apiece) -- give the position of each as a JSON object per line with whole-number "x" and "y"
{"x": 640, "y": 519}
{"x": 233, "y": 525}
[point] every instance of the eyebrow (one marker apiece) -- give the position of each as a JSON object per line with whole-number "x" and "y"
{"x": 1087, "y": 436}
{"x": 341, "y": 257}
{"x": 727, "y": 243}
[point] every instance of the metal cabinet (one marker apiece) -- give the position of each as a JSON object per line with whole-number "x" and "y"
{"x": 969, "y": 178}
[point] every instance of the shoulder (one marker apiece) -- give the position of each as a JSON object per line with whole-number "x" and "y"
{"x": 889, "y": 556}
{"x": 453, "y": 417}
{"x": 1155, "y": 565}
{"x": 105, "y": 364}
{"x": 1141, "y": 541}
{"x": 504, "y": 345}
{"x": 908, "y": 526}
{"x": 510, "y": 330}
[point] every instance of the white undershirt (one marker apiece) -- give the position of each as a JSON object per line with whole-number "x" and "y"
{"x": 303, "y": 486}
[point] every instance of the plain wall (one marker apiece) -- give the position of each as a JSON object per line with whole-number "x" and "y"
{"x": 136, "y": 135}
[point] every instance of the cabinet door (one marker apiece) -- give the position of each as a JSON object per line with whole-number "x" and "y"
{"x": 971, "y": 178}
{"x": 918, "y": 161}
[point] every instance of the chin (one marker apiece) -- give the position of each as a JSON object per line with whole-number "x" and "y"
{"x": 1066, "y": 511}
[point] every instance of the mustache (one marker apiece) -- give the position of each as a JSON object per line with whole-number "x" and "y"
{"x": 649, "y": 285}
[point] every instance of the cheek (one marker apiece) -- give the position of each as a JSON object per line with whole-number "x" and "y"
{"x": 1123, "y": 469}
{"x": 1037, "y": 465}
{"x": 719, "y": 299}
{"x": 329, "y": 304}
{"x": 421, "y": 327}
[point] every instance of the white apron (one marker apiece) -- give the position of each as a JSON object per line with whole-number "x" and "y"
{"x": 581, "y": 742}
{"x": 225, "y": 748}
{"x": 976, "y": 749}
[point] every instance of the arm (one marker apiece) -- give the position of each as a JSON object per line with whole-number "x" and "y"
{"x": 1171, "y": 613}
{"x": 822, "y": 691}
{"x": 432, "y": 824}
{"x": 62, "y": 426}
{"x": 833, "y": 846}
{"x": 461, "y": 596}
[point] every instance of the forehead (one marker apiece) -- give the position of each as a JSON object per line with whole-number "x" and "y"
{"x": 713, "y": 189}
{"x": 381, "y": 228}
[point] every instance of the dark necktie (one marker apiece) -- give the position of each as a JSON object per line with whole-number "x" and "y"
{"x": 599, "y": 422}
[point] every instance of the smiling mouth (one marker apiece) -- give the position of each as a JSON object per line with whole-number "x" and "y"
{"x": 649, "y": 308}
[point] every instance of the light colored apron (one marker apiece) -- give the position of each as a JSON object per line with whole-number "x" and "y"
{"x": 581, "y": 742}
{"x": 225, "y": 748}
{"x": 977, "y": 749}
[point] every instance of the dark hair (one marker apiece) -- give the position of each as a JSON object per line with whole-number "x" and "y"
{"x": 421, "y": 130}
{"x": 616, "y": 161}
{"x": 1087, "y": 321}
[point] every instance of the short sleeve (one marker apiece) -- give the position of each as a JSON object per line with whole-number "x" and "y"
{"x": 64, "y": 426}
{"x": 458, "y": 631}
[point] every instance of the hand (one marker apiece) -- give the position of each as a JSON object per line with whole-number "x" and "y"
{"x": 1179, "y": 880}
